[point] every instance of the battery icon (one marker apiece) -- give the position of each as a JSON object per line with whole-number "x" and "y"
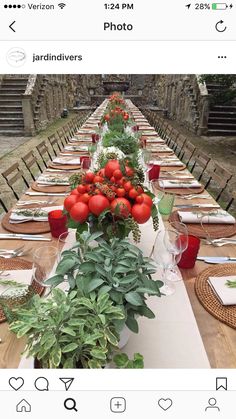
{"x": 219, "y": 6}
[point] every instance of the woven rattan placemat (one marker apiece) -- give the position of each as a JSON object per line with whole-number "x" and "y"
{"x": 226, "y": 314}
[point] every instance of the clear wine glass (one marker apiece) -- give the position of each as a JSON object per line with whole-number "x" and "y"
{"x": 163, "y": 260}
{"x": 44, "y": 266}
{"x": 176, "y": 242}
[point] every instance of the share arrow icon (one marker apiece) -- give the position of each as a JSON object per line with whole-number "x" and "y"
{"x": 67, "y": 382}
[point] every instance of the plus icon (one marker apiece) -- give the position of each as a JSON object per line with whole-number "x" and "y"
{"x": 118, "y": 405}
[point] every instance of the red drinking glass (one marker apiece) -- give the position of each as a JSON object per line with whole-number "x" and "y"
{"x": 58, "y": 223}
{"x": 189, "y": 256}
{"x": 154, "y": 172}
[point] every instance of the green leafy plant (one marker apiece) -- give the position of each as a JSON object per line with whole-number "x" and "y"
{"x": 128, "y": 144}
{"x": 122, "y": 361}
{"x": 118, "y": 269}
{"x": 69, "y": 331}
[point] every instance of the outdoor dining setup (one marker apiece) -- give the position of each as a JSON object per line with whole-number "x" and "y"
{"x": 116, "y": 254}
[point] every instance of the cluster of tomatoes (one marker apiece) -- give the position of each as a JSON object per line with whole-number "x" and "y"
{"x": 116, "y": 99}
{"x": 109, "y": 189}
{"x": 116, "y": 112}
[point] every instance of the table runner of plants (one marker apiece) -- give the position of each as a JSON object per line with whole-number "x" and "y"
{"x": 108, "y": 278}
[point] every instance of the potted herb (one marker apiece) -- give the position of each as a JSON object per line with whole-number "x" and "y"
{"x": 117, "y": 269}
{"x": 67, "y": 331}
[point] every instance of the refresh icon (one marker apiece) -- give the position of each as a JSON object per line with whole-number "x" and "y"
{"x": 220, "y": 27}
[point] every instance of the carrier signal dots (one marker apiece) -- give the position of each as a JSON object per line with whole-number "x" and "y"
{"x": 61, "y": 5}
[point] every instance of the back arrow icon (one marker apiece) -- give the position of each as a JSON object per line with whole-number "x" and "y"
{"x": 218, "y": 28}
{"x": 10, "y": 26}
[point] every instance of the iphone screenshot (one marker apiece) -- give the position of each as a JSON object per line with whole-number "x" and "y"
{"x": 117, "y": 209}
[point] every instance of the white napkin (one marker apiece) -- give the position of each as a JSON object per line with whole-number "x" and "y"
{"x": 168, "y": 163}
{"x": 178, "y": 184}
{"x": 48, "y": 180}
{"x": 22, "y": 276}
{"x": 64, "y": 160}
{"x": 226, "y": 295}
{"x": 80, "y": 139}
{"x": 76, "y": 148}
{"x": 17, "y": 218}
{"x": 214, "y": 217}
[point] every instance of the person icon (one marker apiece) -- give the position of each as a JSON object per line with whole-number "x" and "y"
{"x": 212, "y": 404}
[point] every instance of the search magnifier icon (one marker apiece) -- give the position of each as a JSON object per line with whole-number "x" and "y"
{"x": 70, "y": 404}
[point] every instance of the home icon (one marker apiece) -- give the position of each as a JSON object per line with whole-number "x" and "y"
{"x": 23, "y": 407}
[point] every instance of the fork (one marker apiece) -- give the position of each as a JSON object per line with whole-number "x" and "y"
{"x": 4, "y": 274}
{"x": 12, "y": 250}
{"x": 13, "y": 255}
{"x": 48, "y": 202}
{"x": 220, "y": 242}
{"x": 192, "y": 196}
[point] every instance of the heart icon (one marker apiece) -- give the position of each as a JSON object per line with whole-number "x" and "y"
{"x": 16, "y": 383}
{"x": 165, "y": 404}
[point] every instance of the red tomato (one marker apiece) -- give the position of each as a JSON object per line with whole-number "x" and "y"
{"x": 84, "y": 198}
{"x": 75, "y": 192}
{"x": 127, "y": 186}
{"x": 110, "y": 167}
{"x": 70, "y": 201}
{"x": 129, "y": 172}
{"x": 98, "y": 203}
{"x": 89, "y": 188}
{"x": 120, "y": 192}
{"x": 147, "y": 200}
{"x": 89, "y": 176}
{"x": 133, "y": 193}
{"x": 113, "y": 179}
{"x": 141, "y": 213}
{"x": 101, "y": 172}
{"x": 117, "y": 174}
{"x": 79, "y": 212}
{"x": 139, "y": 199}
{"x": 121, "y": 207}
{"x": 81, "y": 189}
{"x": 98, "y": 179}
{"x": 139, "y": 189}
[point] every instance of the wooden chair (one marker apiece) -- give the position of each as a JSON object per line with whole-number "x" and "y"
{"x": 231, "y": 194}
{"x": 180, "y": 141}
{"x": 3, "y": 206}
{"x": 167, "y": 134}
{"x": 219, "y": 178}
{"x": 55, "y": 143}
{"x": 200, "y": 162}
{"x": 68, "y": 131}
{"x": 12, "y": 176}
{"x": 30, "y": 162}
{"x": 43, "y": 152}
{"x": 173, "y": 139}
{"x": 61, "y": 135}
{"x": 187, "y": 154}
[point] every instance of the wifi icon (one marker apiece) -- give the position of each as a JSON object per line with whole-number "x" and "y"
{"x": 62, "y": 5}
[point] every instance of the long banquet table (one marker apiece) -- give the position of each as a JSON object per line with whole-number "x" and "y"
{"x": 183, "y": 334}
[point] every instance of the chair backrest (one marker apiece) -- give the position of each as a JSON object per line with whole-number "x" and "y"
{"x": 43, "y": 151}
{"x": 3, "y": 206}
{"x": 180, "y": 140}
{"x": 221, "y": 177}
{"x": 188, "y": 151}
{"x": 55, "y": 143}
{"x": 30, "y": 160}
{"x": 200, "y": 163}
{"x": 61, "y": 135}
{"x": 12, "y": 175}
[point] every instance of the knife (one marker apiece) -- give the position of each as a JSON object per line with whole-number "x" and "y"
{"x": 216, "y": 259}
{"x": 197, "y": 206}
{"x": 23, "y": 237}
{"x": 45, "y": 193}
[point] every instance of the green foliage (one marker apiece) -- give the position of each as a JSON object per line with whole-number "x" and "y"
{"x": 123, "y": 361}
{"x": 67, "y": 331}
{"x": 118, "y": 269}
{"x": 227, "y": 92}
{"x": 128, "y": 144}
